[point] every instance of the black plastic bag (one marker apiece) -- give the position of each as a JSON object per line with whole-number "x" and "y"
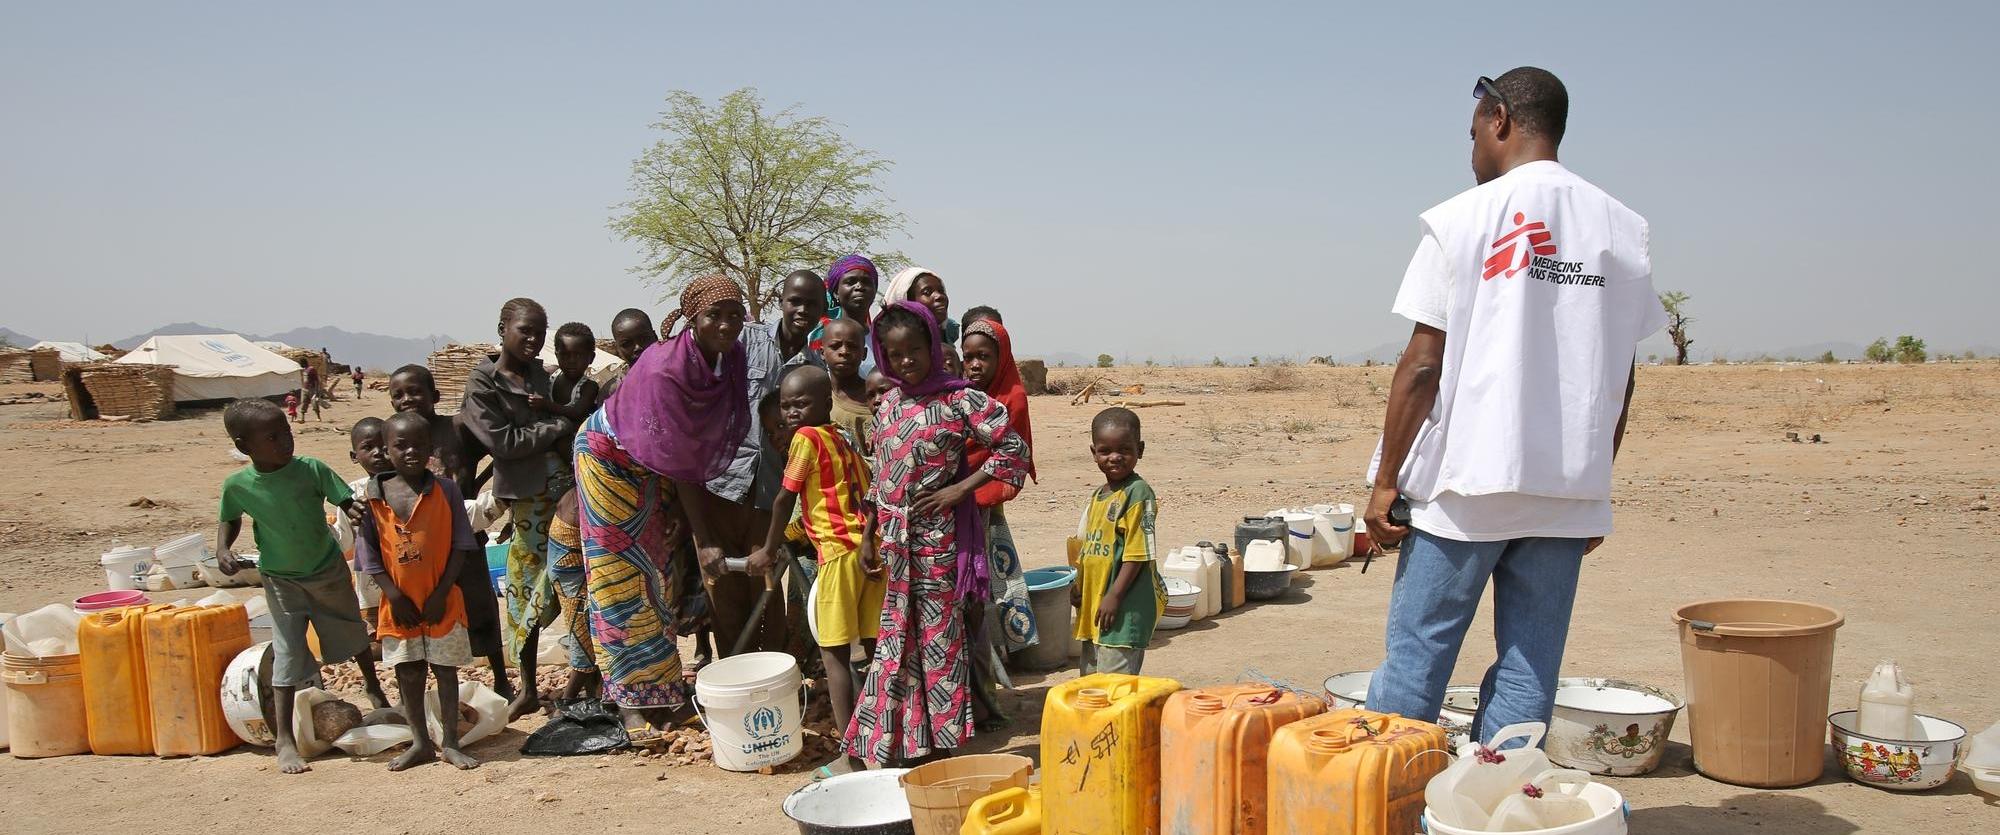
{"x": 585, "y": 726}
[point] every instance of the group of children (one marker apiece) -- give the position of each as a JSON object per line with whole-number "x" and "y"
{"x": 895, "y": 461}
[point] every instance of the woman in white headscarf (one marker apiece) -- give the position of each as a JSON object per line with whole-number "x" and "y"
{"x": 924, "y": 287}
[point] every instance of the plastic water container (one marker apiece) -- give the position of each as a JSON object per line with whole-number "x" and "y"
{"x": 1467, "y": 792}
{"x": 245, "y": 684}
{"x": 187, "y": 651}
{"x": 1299, "y": 536}
{"x": 1557, "y": 801}
{"x": 1253, "y": 528}
{"x": 1888, "y": 704}
{"x": 1214, "y": 743}
{"x": 1006, "y": 812}
{"x": 119, "y": 563}
{"x": 1352, "y": 771}
{"x": 1264, "y": 555}
{"x": 112, "y": 648}
{"x": 1333, "y": 533}
{"x": 45, "y": 709}
{"x": 941, "y": 793}
{"x": 1101, "y": 744}
{"x": 1199, "y": 567}
{"x": 180, "y": 557}
{"x": 1607, "y": 817}
{"x": 1048, "y": 596}
{"x": 1232, "y": 576}
{"x": 752, "y": 704}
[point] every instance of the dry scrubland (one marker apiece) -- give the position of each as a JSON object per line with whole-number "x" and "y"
{"x": 1889, "y": 520}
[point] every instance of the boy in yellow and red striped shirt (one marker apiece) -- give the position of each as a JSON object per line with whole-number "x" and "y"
{"x": 827, "y": 477}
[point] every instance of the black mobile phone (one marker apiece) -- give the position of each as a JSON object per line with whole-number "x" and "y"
{"x": 1399, "y": 512}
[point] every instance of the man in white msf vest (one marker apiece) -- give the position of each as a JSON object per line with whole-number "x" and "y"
{"x": 1530, "y": 293}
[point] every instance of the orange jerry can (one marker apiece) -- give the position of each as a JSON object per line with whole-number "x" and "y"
{"x": 112, "y": 647}
{"x": 1009, "y": 811}
{"x": 1353, "y": 772}
{"x": 1213, "y": 755}
{"x": 187, "y": 651}
{"x": 1101, "y": 755}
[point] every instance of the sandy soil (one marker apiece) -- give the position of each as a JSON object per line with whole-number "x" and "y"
{"x": 1888, "y": 520}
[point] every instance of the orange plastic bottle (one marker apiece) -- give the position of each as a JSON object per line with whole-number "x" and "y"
{"x": 1353, "y": 772}
{"x": 186, "y": 653}
{"x": 112, "y": 646}
{"x": 1101, "y": 755}
{"x": 1213, "y": 747}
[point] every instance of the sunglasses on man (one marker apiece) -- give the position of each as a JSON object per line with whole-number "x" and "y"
{"x": 1485, "y": 87}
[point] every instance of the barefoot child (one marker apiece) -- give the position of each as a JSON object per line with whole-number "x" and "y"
{"x": 1120, "y": 592}
{"x": 853, "y": 408}
{"x": 365, "y": 450}
{"x": 507, "y": 409}
{"x": 413, "y": 390}
{"x": 917, "y": 698}
{"x": 305, "y": 580}
{"x": 413, "y": 540}
{"x": 826, "y": 477}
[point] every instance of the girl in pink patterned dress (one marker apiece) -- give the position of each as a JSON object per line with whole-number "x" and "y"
{"x": 917, "y": 698}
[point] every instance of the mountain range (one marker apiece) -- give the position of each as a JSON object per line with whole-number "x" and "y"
{"x": 368, "y": 350}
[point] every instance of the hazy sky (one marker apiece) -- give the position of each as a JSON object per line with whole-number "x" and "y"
{"x": 1152, "y": 181}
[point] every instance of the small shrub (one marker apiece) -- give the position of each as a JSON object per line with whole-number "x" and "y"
{"x": 1275, "y": 378}
{"x": 1828, "y": 359}
{"x": 1104, "y": 360}
{"x": 1878, "y": 351}
{"x": 1217, "y": 362}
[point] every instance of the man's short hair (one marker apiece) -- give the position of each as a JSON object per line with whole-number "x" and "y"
{"x": 1537, "y": 101}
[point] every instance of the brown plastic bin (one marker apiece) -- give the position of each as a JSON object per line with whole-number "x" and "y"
{"x": 1758, "y": 673}
{"x": 940, "y": 793}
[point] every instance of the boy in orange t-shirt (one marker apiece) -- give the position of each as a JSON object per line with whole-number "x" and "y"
{"x": 412, "y": 541}
{"x": 828, "y": 478}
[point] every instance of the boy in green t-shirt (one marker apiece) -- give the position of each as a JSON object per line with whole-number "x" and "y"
{"x": 1120, "y": 593}
{"x": 305, "y": 579}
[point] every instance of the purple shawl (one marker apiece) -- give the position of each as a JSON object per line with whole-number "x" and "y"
{"x": 975, "y": 574}
{"x": 677, "y": 416}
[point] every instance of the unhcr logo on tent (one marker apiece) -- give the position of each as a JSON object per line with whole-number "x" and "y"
{"x": 229, "y": 355}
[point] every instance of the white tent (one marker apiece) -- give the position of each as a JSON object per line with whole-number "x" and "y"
{"x": 274, "y": 347}
{"x": 220, "y": 366}
{"x": 72, "y": 351}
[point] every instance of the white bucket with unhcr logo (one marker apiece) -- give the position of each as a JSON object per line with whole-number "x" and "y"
{"x": 753, "y": 704}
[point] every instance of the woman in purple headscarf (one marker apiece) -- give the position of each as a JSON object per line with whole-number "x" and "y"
{"x": 917, "y": 699}
{"x": 673, "y": 424}
{"x": 850, "y": 291}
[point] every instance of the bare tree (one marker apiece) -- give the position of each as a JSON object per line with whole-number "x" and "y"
{"x": 1677, "y": 323}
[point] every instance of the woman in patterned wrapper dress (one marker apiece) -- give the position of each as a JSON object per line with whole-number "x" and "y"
{"x": 917, "y": 698}
{"x": 641, "y": 460}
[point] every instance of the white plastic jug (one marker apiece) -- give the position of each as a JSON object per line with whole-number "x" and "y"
{"x": 1199, "y": 567}
{"x": 1557, "y": 800}
{"x": 1333, "y": 533}
{"x": 1468, "y": 791}
{"x": 1888, "y": 705}
{"x": 1264, "y": 555}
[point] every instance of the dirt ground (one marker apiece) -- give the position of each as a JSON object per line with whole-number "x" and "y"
{"x": 1889, "y": 520}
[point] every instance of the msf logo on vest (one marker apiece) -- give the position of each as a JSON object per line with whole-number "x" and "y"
{"x": 1515, "y": 251}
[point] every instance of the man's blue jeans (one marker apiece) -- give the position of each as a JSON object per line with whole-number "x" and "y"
{"x": 1438, "y": 585}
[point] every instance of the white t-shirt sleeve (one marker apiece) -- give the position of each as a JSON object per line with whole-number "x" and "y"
{"x": 1425, "y": 297}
